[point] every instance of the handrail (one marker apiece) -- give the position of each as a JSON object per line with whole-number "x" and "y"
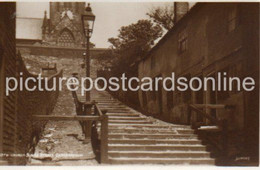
{"x": 213, "y": 106}
{"x": 104, "y": 139}
{"x": 211, "y": 118}
{"x": 223, "y": 124}
{"x": 97, "y": 110}
{"x": 99, "y": 115}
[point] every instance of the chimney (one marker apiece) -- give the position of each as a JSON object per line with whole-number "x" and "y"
{"x": 180, "y": 9}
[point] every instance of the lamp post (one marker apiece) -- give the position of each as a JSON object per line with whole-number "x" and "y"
{"x": 88, "y": 19}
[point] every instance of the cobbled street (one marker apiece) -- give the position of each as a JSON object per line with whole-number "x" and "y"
{"x": 61, "y": 142}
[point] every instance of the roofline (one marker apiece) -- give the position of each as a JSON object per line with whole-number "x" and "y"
{"x": 28, "y": 39}
{"x": 166, "y": 36}
{"x": 59, "y": 47}
{"x": 29, "y": 18}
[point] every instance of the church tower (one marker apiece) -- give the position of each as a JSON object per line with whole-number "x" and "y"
{"x": 73, "y": 9}
{"x": 64, "y": 25}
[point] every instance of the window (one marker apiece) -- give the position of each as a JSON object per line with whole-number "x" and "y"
{"x": 223, "y": 94}
{"x": 235, "y": 71}
{"x": 183, "y": 41}
{"x": 144, "y": 98}
{"x": 153, "y": 92}
{"x": 232, "y": 19}
{"x": 187, "y": 93}
{"x": 152, "y": 62}
{"x": 169, "y": 96}
{"x": 177, "y": 98}
{"x": 67, "y": 4}
{"x": 77, "y": 6}
{"x": 66, "y": 38}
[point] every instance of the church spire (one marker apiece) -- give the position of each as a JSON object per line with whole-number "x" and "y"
{"x": 45, "y": 20}
{"x": 44, "y": 25}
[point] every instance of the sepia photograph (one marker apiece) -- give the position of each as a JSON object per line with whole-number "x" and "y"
{"x": 147, "y": 83}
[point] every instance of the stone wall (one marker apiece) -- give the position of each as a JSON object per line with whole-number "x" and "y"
{"x": 57, "y": 51}
{"x": 26, "y": 104}
{"x": 33, "y": 103}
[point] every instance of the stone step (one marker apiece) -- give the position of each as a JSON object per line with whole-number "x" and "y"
{"x": 142, "y": 132}
{"x": 116, "y": 103}
{"x": 100, "y": 103}
{"x": 154, "y": 141}
{"x": 165, "y": 147}
{"x": 137, "y": 139}
{"x": 3, "y": 162}
{"x": 109, "y": 103}
{"x": 152, "y": 136}
{"x": 119, "y": 111}
{"x": 159, "y": 154}
{"x": 122, "y": 114}
{"x": 209, "y": 128}
{"x": 106, "y": 100}
{"x": 125, "y": 118}
{"x": 113, "y": 107}
{"x": 44, "y": 164}
{"x": 101, "y": 97}
{"x": 148, "y": 131}
{"x": 145, "y": 126}
{"x": 180, "y": 161}
{"x": 129, "y": 122}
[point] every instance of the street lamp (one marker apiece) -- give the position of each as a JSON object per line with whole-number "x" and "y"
{"x": 88, "y": 19}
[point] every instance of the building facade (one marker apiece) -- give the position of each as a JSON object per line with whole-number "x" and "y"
{"x": 210, "y": 38}
{"x": 59, "y": 35}
{"x": 7, "y": 68}
{"x": 18, "y": 133}
{"x": 64, "y": 27}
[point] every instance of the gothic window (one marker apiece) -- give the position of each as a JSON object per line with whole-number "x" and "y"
{"x": 223, "y": 94}
{"x": 232, "y": 19}
{"x": 183, "y": 41}
{"x": 152, "y": 62}
{"x": 77, "y": 6}
{"x": 169, "y": 96}
{"x": 67, "y": 5}
{"x": 144, "y": 98}
{"x": 153, "y": 92}
{"x": 186, "y": 95}
{"x": 66, "y": 38}
{"x": 58, "y": 6}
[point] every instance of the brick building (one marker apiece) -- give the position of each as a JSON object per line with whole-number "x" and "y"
{"x": 18, "y": 133}
{"x": 7, "y": 68}
{"x": 210, "y": 38}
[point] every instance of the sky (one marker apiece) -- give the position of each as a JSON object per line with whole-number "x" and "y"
{"x": 110, "y": 16}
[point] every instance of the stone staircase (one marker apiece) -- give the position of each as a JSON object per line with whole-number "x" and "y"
{"x": 138, "y": 139}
